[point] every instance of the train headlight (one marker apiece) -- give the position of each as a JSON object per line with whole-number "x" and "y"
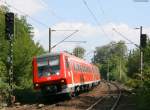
{"x": 62, "y": 81}
{"x": 36, "y": 85}
{"x": 57, "y": 73}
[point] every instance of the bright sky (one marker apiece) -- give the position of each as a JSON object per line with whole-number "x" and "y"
{"x": 123, "y": 15}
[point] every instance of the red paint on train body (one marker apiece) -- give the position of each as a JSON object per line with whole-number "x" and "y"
{"x": 57, "y": 73}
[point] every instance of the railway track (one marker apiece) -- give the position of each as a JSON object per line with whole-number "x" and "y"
{"x": 110, "y": 101}
{"x": 99, "y": 98}
{"x": 118, "y": 98}
{"x": 110, "y": 95}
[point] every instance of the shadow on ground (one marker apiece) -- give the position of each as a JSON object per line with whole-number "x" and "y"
{"x": 29, "y": 96}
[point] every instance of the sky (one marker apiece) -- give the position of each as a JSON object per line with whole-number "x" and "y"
{"x": 96, "y": 26}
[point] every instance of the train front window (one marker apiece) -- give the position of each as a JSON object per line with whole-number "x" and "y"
{"x": 48, "y": 66}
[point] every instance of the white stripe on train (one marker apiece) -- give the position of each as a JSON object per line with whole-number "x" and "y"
{"x": 80, "y": 84}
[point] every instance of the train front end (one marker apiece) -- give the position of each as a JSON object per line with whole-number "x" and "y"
{"x": 47, "y": 74}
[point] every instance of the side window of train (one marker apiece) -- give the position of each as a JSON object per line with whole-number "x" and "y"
{"x": 79, "y": 67}
{"x": 85, "y": 69}
{"x": 67, "y": 62}
{"x": 75, "y": 67}
{"x": 82, "y": 69}
{"x": 93, "y": 69}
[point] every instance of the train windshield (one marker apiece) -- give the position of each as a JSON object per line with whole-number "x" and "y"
{"x": 48, "y": 65}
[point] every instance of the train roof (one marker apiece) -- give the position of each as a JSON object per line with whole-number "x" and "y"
{"x": 54, "y": 53}
{"x": 48, "y": 54}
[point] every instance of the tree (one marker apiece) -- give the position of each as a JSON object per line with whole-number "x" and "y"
{"x": 3, "y": 73}
{"x": 79, "y": 51}
{"x": 112, "y": 58}
{"x": 134, "y": 63}
{"x": 24, "y": 50}
{"x": 146, "y": 60}
{"x": 3, "y": 42}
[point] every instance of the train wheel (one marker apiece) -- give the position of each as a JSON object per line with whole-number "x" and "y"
{"x": 87, "y": 88}
{"x": 73, "y": 94}
{"x": 77, "y": 91}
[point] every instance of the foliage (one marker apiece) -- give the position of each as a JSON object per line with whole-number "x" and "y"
{"x": 134, "y": 63}
{"x": 23, "y": 51}
{"x": 3, "y": 83}
{"x": 112, "y": 58}
{"x": 143, "y": 96}
{"x": 2, "y": 72}
{"x": 79, "y": 51}
{"x": 146, "y": 60}
{"x": 134, "y": 83}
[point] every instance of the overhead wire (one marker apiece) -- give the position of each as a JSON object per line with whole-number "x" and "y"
{"x": 50, "y": 10}
{"x": 32, "y": 18}
{"x": 101, "y": 8}
{"x": 39, "y": 22}
{"x": 114, "y": 27}
{"x": 95, "y": 18}
{"x": 65, "y": 38}
{"x": 125, "y": 37}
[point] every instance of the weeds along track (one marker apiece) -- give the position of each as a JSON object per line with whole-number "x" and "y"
{"x": 110, "y": 100}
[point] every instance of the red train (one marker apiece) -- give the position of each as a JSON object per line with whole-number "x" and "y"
{"x": 58, "y": 73}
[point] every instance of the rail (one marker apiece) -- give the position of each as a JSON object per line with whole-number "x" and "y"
{"x": 118, "y": 98}
{"x": 115, "y": 104}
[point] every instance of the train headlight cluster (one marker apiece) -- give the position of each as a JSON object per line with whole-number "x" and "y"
{"x": 57, "y": 73}
{"x": 62, "y": 81}
{"x": 36, "y": 85}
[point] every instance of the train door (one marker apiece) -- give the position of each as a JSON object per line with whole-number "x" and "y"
{"x": 69, "y": 71}
{"x": 82, "y": 76}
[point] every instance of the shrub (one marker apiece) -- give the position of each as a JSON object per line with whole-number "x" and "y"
{"x": 143, "y": 96}
{"x": 134, "y": 83}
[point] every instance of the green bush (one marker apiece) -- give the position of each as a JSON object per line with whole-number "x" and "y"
{"x": 143, "y": 96}
{"x": 134, "y": 83}
{"x": 3, "y": 83}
